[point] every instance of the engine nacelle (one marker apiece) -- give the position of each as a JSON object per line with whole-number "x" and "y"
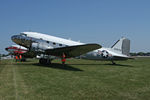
{"x": 40, "y": 46}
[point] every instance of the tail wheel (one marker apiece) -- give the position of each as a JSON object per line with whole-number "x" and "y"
{"x": 113, "y": 62}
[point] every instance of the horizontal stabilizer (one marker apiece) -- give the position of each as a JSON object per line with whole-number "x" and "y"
{"x": 72, "y": 51}
{"x": 123, "y": 57}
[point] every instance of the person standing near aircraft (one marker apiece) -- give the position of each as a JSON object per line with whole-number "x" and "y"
{"x": 63, "y": 59}
{"x": 17, "y": 58}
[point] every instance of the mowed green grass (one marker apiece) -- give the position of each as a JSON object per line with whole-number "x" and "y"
{"x": 77, "y": 80}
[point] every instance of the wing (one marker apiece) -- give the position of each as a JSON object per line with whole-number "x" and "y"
{"x": 29, "y": 54}
{"x": 72, "y": 51}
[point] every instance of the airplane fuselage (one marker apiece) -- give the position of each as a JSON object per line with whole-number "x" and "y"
{"x": 38, "y": 42}
{"x": 104, "y": 54}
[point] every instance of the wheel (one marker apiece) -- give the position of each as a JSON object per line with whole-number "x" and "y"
{"x": 48, "y": 61}
{"x": 41, "y": 61}
{"x": 23, "y": 60}
{"x": 44, "y": 61}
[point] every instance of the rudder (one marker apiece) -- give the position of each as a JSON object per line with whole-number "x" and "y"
{"x": 122, "y": 46}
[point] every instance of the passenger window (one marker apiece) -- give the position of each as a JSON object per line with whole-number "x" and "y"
{"x": 54, "y": 43}
{"x": 60, "y": 44}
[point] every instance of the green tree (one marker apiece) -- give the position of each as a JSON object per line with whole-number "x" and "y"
{"x": 0, "y": 56}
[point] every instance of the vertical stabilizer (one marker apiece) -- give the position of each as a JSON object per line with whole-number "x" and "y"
{"x": 122, "y": 46}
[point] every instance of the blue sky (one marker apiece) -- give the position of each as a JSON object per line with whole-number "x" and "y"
{"x": 91, "y": 21}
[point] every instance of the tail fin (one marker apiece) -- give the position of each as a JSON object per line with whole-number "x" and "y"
{"x": 122, "y": 46}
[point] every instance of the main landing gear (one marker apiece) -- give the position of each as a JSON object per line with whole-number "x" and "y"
{"x": 47, "y": 60}
{"x": 44, "y": 61}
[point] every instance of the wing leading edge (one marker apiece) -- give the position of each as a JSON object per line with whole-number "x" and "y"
{"x": 72, "y": 51}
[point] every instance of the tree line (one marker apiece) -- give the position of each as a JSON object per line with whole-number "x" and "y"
{"x": 140, "y": 54}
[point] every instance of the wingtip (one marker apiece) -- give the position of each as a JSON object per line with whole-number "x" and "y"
{"x": 97, "y": 46}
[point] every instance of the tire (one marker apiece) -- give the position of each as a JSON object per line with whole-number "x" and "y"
{"x": 44, "y": 61}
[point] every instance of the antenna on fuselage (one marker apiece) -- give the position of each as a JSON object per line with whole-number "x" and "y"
{"x": 30, "y": 30}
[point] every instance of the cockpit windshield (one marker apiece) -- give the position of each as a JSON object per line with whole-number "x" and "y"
{"x": 23, "y": 34}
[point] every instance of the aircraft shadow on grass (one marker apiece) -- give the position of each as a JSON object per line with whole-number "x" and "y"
{"x": 59, "y": 66}
{"x": 65, "y": 66}
{"x": 120, "y": 65}
{"x": 105, "y": 64}
{"x": 69, "y": 66}
{"x": 53, "y": 65}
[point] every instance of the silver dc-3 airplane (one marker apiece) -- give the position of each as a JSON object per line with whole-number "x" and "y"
{"x": 51, "y": 47}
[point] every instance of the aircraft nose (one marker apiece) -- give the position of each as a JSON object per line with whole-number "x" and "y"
{"x": 21, "y": 40}
{"x": 16, "y": 39}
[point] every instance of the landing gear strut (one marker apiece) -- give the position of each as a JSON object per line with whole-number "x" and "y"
{"x": 113, "y": 62}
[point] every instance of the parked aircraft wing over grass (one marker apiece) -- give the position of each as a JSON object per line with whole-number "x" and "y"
{"x": 72, "y": 51}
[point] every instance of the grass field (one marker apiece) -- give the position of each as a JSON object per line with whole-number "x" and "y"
{"x": 77, "y": 80}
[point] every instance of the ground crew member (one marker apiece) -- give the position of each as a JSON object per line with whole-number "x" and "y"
{"x": 16, "y": 57}
{"x": 20, "y": 57}
{"x": 63, "y": 59}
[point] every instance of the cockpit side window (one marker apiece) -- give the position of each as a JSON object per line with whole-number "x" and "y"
{"x": 23, "y": 34}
